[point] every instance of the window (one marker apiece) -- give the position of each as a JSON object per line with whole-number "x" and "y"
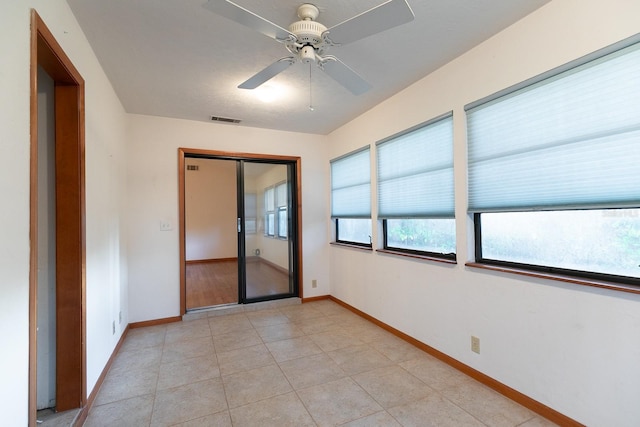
{"x": 415, "y": 189}
{"x": 250, "y": 213}
{"x": 270, "y": 207}
{"x": 595, "y": 242}
{"x": 282, "y": 203}
{"x": 276, "y": 202}
{"x": 554, "y": 182}
{"x": 351, "y": 197}
{"x": 282, "y": 222}
{"x": 354, "y": 230}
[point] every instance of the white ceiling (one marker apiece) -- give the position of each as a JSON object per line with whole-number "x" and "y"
{"x": 173, "y": 58}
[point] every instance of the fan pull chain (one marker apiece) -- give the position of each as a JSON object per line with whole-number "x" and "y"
{"x": 310, "y": 97}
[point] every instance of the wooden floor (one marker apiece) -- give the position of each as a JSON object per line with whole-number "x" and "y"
{"x": 216, "y": 282}
{"x": 211, "y": 283}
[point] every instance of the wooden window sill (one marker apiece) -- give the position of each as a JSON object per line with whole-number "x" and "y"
{"x": 417, "y": 256}
{"x": 557, "y": 277}
{"x": 347, "y": 245}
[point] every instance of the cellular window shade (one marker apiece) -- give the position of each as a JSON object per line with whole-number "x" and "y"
{"x": 281, "y": 194}
{"x": 568, "y": 141}
{"x": 269, "y": 199}
{"x": 351, "y": 185}
{"x": 415, "y": 173}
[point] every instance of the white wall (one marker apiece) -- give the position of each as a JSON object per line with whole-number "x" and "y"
{"x": 210, "y": 210}
{"x": 105, "y": 137}
{"x": 154, "y": 283}
{"x": 573, "y": 348}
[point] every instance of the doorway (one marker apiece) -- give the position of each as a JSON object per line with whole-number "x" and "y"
{"x": 57, "y": 218}
{"x": 211, "y": 239}
{"x": 239, "y": 228}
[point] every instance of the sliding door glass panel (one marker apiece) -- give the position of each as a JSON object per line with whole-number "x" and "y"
{"x": 211, "y": 244}
{"x": 267, "y": 243}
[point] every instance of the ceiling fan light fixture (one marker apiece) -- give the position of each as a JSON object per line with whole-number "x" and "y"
{"x": 267, "y": 93}
{"x": 307, "y": 54}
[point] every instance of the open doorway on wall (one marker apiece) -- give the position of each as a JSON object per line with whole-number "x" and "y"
{"x": 57, "y": 316}
{"x": 239, "y": 224}
{"x": 211, "y": 239}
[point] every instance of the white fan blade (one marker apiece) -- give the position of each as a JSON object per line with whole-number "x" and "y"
{"x": 249, "y": 19}
{"x": 344, "y": 75}
{"x": 387, "y": 15}
{"x": 272, "y": 70}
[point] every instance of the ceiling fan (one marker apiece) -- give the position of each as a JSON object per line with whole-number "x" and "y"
{"x": 308, "y": 40}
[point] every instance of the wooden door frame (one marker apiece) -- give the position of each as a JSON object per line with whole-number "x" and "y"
{"x": 71, "y": 384}
{"x": 226, "y": 155}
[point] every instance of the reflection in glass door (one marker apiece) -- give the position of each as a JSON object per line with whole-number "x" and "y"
{"x": 265, "y": 241}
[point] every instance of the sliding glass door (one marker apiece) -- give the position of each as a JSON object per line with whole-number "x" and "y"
{"x": 240, "y": 225}
{"x": 265, "y": 238}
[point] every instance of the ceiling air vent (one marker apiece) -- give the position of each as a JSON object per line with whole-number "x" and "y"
{"x": 224, "y": 119}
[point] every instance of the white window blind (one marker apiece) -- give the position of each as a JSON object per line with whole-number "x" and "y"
{"x": 351, "y": 185}
{"x": 568, "y": 141}
{"x": 281, "y": 194}
{"x": 415, "y": 172}
{"x": 269, "y": 199}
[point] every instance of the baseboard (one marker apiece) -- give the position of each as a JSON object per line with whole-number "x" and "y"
{"x": 155, "y": 322}
{"x": 208, "y": 261}
{"x": 535, "y": 406}
{"x": 84, "y": 411}
{"x": 312, "y": 299}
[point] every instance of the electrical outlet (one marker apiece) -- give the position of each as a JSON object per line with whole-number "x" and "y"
{"x": 113, "y": 327}
{"x": 165, "y": 225}
{"x": 475, "y": 344}
{"x": 314, "y": 283}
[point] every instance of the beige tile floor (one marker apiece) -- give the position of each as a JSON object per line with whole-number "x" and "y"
{"x": 315, "y": 364}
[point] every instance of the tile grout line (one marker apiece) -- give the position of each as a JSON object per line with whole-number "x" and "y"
{"x": 224, "y": 389}
{"x": 155, "y": 391}
{"x": 341, "y": 326}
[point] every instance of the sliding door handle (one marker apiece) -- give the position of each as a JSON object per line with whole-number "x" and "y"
{"x": 239, "y": 225}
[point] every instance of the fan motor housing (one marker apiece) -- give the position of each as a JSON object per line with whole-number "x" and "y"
{"x": 308, "y": 32}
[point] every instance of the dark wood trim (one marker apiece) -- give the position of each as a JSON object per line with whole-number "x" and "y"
{"x": 417, "y": 256}
{"x": 51, "y": 56}
{"x": 71, "y": 388}
{"x": 299, "y": 227}
{"x": 558, "y": 278}
{"x": 352, "y": 246}
{"x": 233, "y": 155}
{"x": 227, "y": 155}
{"x": 69, "y": 251}
{"x": 537, "y": 407}
{"x": 210, "y": 261}
{"x": 182, "y": 232}
{"x": 319, "y": 298}
{"x": 155, "y": 322}
{"x": 84, "y": 412}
